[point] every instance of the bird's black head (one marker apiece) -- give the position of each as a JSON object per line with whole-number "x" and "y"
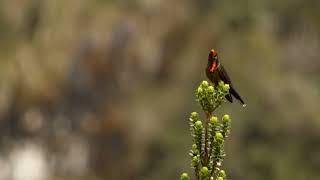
{"x": 212, "y": 60}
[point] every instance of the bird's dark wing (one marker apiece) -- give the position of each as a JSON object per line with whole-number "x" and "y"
{"x": 224, "y": 76}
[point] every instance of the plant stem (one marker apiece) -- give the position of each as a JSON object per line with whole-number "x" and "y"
{"x": 197, "y": 172}
{"x": 213, "y": 170}
{"x": 206, "y": 144}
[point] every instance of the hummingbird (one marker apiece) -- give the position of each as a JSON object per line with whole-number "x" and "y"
{"x": 216, "y": 72}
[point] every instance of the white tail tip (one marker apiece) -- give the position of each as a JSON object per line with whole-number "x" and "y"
{"x": 244, "y": 105}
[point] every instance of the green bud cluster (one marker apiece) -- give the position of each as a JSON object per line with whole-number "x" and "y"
{"x": 218, "y": 131}
{"x": 210, "y": 97}
{"x": 226, "y": 125}
{"x": 213, "y": 128}
{"x": 218, "y": 151}
{"x": 196, "y": 130}
{"x": 207, "y": 151}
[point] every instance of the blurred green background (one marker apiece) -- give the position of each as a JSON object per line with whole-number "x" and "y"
{"x": 93, "y": 90}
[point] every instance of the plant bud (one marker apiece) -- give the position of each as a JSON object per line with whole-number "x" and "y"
{"x": 219, "y": 137}
{"x": 226, "y": 87}
{"x": 198, "y": 125}
{"x": 222, "y": 173}
{"x": 205, "y": 83}
{"x": 210, "y": 89}
{"x": 226, "y": 118}
{"x": 184, "y": 176}
{"x": 213, "y": 120}
{"x": 204, "y": 170}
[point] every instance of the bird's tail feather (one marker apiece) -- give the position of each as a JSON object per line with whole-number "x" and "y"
{"x": 237, "y": 96}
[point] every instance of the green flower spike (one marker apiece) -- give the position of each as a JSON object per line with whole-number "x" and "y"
{"x": 208, "y": 135}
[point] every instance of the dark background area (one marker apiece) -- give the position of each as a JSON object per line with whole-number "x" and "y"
{"x": 93, "y": 90}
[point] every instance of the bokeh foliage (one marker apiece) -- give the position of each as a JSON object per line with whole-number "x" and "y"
{"x": 110, "y": 82}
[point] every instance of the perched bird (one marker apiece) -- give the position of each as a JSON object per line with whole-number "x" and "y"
{"x": 215, "y": 72}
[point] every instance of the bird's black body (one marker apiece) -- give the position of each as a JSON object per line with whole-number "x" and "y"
{"x": 216, "y": 72}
